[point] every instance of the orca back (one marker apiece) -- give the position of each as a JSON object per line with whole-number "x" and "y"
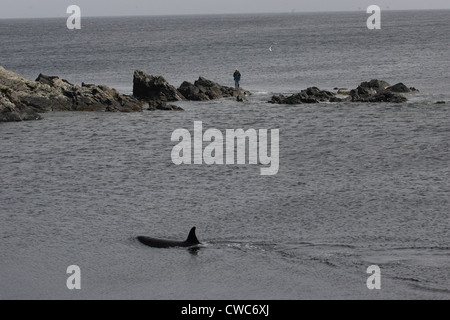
{"x": 161, "y": 243}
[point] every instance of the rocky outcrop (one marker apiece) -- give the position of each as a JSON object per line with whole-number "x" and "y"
{"x": 155, "y": 91}
{"x": 50, "y": 93}
{"x": 206, "y": 90}
{"x": 154, "y": 88}
{"x": 399, "y": 88}
{"x": 372, "y": 91}
{"x": 192, "y": 93}
{"x": 383, "y": 96}
{"x": 11, "y": 109}
{"x": 376, "y": 85}
{"x": 379, "y": 91}
{"x": 310, "y": 95}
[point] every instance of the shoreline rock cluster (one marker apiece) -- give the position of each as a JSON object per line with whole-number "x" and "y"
{"x": 23, "y": 99}
{"x": 372, "y": 91}
{"x": 157, "y": 92}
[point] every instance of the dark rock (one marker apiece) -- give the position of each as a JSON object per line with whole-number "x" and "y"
{"x": 363, "y": 91}
{"x": 206, "y": 90}
{"x": 399, "y": 88}
{"x": 382, "y": 96}
{"x": 48, "y": 80}
{"x": 361, "y": 94}
{"x": 335, "y": 99}
{"x": 375, "y": 85}
{"x": 192, "y": 92}
{"x": 277, "y": 99}
{"x": 386, "y": 96}
{"x": 211, "y": 89}
{"x": 156, "y": 88}
{"x": 241, "y": 99}
{"x": 372, "y": 91}
{"x": 378, "y": 91}
{"x": 281, "y": 99}
{"x": 354, "y": 95}
{"x": 310, "y": 95}
{"x": 156, "y": 91}
{"x": 321, "y": 95}
{"x": 162, "y": 105}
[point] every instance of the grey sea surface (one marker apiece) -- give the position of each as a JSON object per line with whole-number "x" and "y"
{"x": 358, "y": 185}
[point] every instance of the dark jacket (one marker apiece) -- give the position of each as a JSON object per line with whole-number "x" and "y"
{"x": 237, "y": 76}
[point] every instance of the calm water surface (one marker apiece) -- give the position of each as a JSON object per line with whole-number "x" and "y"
{"x": 359, "y": 184}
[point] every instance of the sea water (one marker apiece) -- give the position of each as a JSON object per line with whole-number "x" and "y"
{"x": 358, "y": 184}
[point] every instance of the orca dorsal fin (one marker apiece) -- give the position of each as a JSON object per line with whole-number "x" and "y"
{"x": 192, "y": 238}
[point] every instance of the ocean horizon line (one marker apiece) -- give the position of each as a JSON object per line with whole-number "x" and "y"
{"x": 245, "y": 14}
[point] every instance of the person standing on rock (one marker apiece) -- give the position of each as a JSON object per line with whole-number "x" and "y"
{"x": 237, "y": 78}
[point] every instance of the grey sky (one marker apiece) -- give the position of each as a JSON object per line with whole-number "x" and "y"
{"x": 57, "y": 8}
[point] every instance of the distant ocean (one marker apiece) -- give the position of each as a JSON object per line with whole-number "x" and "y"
{"x": 359, "y": 184}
